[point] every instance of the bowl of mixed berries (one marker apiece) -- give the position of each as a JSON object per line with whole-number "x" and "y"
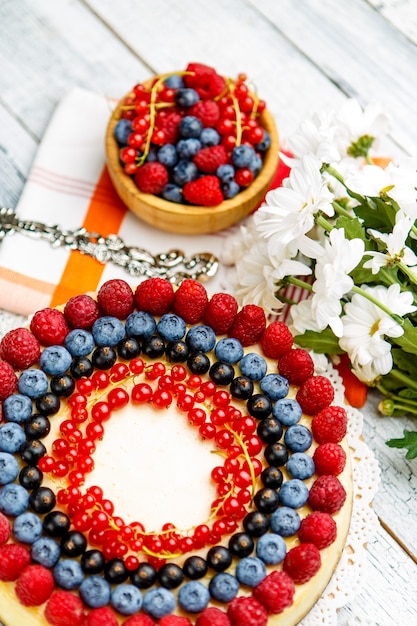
{"x": 192, "y": 151}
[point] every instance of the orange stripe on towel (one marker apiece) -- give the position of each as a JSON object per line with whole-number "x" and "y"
{"x": 104, "y": 215}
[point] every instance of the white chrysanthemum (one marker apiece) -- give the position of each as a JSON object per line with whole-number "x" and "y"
{"x": 396, "y": 250}
{"x": 315, "y": 136}
{"x": 355, "y": 122}
{"x": 302, "y": 318}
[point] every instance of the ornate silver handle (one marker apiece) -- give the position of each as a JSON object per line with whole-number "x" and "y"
{"x": 173, "y": 265}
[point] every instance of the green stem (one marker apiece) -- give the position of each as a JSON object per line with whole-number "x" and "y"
{"x": 333, "y": 172}
{"x": 395, "y": 397}
{"x": 403, "y": 378}
{"x": 406, "y": 270}
{"x": 340, "y": 210}
{"x": 379, "y": 304}
{"x": 298, "y": 283}
{"x": 325, "y": 224}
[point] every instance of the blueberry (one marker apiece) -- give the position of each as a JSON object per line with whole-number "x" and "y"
{"x": 175, "y": 81}
{"x": 300, "y": 465}
{"x": 188, "y": 148}
{"x": 190, "y": 126}
{"x": 158, "y": 602}
{"x": 288, "y": 411}
{"x": 152, "y": 155}
{"x": 285, "y": 521}
{"x": 186, "y": 96}
{"x": 9, "y": 468}
{"x": 79, "y": 342}
{"x": 255, "y": 165}
{"x": 173, "y": 193}
{"x": 12, "y": 437}
{"x": 184, "y": 172}
{"x": 95, "y": 591}
{"x": 33, "y": 383}
{"x": 293, "y": 493}
{"x": 126, "y": 599}
{"x": 209, "y": 137}
{"x": 298, "y": 438}
{"x": 45, "y": 551}
{"x": 140, "y": 324}
{"x": 193, "y": 597}
{"x": 17, "y": 408}
{"x": 201, "y": 338}
{"x": 27, "y": 528}
{"x": 68, "y": 574}
{"x": 230, "y": 190}
{"x": 225, "y": 173}
{"x": 242, "y": 155}
{"x": 224, "y": 587}
{"x": 229, "y": 350}
{"x": 250, "y": 571}
{"x": 271, "y": 548}
{"x": 171, "y": 327}
{"x": 167, "y": 155}
{"x": 55, "y": 360}
{"x": 122, "y": 131}
{"x": 274, "y": 386}
{"x": 108, "y": 331}
{"x": 263, "y": 145}
{"x": 253, "y": 366}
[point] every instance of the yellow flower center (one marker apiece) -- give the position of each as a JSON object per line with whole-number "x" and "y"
{"x": 374, "y": 328}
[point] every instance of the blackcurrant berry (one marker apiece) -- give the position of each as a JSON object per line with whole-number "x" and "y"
{"x": 198, "y": 363}
{"x": 276, "y": 454}
{"x": 195, "y": 567}
{"x": 271, "y": 477}
{"x": 177, "y": 351}
{"x": 256, "y": 524}
{"x": 221, "y": 373}
{"x": 81, "y": 366}
{"x": 115, "y": 571}
{"x": 48, "y": 404}
{"x": 144, "y": 576}
{"x": 37, "y": 427}
{"x": 170, "y": 575}
{"x": 259, "y": 406}
{"x": 219, "y": 558}
{"x": 62, "y": 385}
{"x": 56, "y": 524}
{"x": 266, "y": 500}
{"x": 92, "y": 561}
{"x": 104, "y": 357}
{"x": 42, "y": 500}
{"x": 30, "y": 477}
{"x": 32, "y": 451}
{"x": 270, "y": 430}
{"x": 73, "y": 544}
{"x": 241, "y": 388}
{"x": 128, "y": 348}
{"x": 241, "y": 544}
{"x": 153, "y": 347}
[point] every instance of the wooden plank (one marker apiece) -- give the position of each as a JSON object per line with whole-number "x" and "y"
{"x": 401, "y": 13}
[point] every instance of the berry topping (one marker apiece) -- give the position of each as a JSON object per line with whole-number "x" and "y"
{"x": 13, "y": 559}
{"x": 49, "y": 327}
{"x": 327, "y": 494}
{"x": 248, "y": 325}
{"x": 8, "y": 380}
{"x": 207, "y": 111}
{"x": 302, "y": 562}
{"x": 4, "y": 528}
{"x": 296, "y": 365}
{"x": 220, "y": 312}
{"x": 275, "y": 592}
{"x": 115, "y": 297}
{"x": 152, "y": 177}
{"x": 174, "y": 620}
{"x": 318, "y": 528}
{"x": 64, "y": 609}
{"x": 209, "y": 159}
{"x": 154, "y": 295}
{"x": 139, "y": 620}
{"x": 204, "y": 191}
{"x": 246, "y": 611}
{"x": 103, "y": 616}
{"x": 329, "y": 458}
{"x": 81, "y": 311}
{"x": 315, "y": 394}
{"x": 20, "y": 348}
{"x": 212, "y": 616}
{"x": 276, "y": 340}
{"x": 34, "y": 585}
{"x": 190, "y": 301}
{"x": 330, "y": 425}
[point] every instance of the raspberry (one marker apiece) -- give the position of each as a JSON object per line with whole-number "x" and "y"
{"x": 329, "y": 425}
{"x": 103, "y": 616}
{"x": 217, "y": 85}
{"x": 207, "y": 111}
{"x": 13, "y": 559}
{"x": 275, "y": 592}
{"x": 318, "y": 528}
{"x": 4, "y": 529}
{"x": 151, "y": 177}
{"x": 276, "y": 340}
{"x": 302, "y": 562}
{"x": 248, "y": 325}
{"x": 212, "y": 616}
{"x": 139, "y": 620}
{"x": 204, "y": 191}
{"x": 209, "y": 159}
{"x": 315, "y": 394}
{"x": 327, "y": 494}
{"x": 20, "y": 348}
{"x": 296, "y": 366}
{"x": 64, "y": 609}
{"x": 154, "y": 295}
{"x": 81, "y": 311}
{"x": 329, "y": 458}
{"x": 34, "y": 585}
{"x": 115, "y": 297}
{"x": 220, "y": 312}
{"x": 174, "y": 620}
{"x": 169, "y": 124}
{"x": 8, "y": 380}
{"x": 49, "y": 327}
{"x": 199, "y": 75}
{"x": 190, "y": 301}
{"x": 246, "y": 611}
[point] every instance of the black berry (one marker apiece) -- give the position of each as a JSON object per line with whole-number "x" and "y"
{"x": 256, "y": 523}
{"x": 270, "y": 430}
{"x": 221, "y": 373}
{"x": 115, "y": 571}
{"x": 128, "y": 348}
{"x": 266, "y": 500}
{"x": 48, "y": 404}
{"x": 276, "y": 454}
{"x": 170, "y": 575}
{"x": 30, "y": 477}
{"x": 144, "y": 576}
{"x": 104, "y": 357}
{"x": 241, "y": 387}
{"x": 62, "y": 385}
{"x": 198, "y": 363}
{"x": 153, "y": 347}
{"x": 81, "y": 366}
{"x": 42, "y": 500}
{"x": 219, "y": 558}
{"x": 195, "y": 567}
{"x": 74, "y": 544}
{"x": 271, "y": 477}
{"x": 32, "y": 451}
{"x": 241, "y": 544}
{"x": 177, "y": 351}
{"x": 37, "y": 427}
{"x": 92, "y": 561}
{"x": 259, "y": 406}
{"x": 56, "y": 524}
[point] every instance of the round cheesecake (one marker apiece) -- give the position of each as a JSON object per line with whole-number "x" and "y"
{"x": 172, "y": 468}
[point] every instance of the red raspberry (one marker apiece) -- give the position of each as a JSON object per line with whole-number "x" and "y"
{"x": 20, "y": 348}
{"x": 139, "y": 620}
{"x": 115, "y": 297}
{"x": 103, "y": 616}
{"x": 204, "y": 191}
{"x": 302, "y": 562}
{"x": 155, "y": 295}
{"x": 248, "y": 325}
{"x": 318, "y": 528}
{"x": 207, "y": 111}
{"x": 329, "y": 458}
{"x": 217, "y": 85}
{"x": 81, "y": 311}
{"x": 49, "y": 327}
{"x": 327, "y": 494}
{"x": 190, "y": 301}
{"x": 34, "y": 585}
{"x": 315, "y": 394}
{"x": 13, "y": 559}
{"x": 8, "y": 380}
{"x": 174, "y": 620}
{"x": 151, "y": 177}
{"x": 296, "y": 365}
{"x": 247, "y": 611}
{"x": 212, "y": 616}
{"x": 329, "y": 425}
{"x": 4, "y": 529}
{"x": 199, "y": 75}
{"x": 64, "y": 609}
{"x": 276, "y": 591}
{"x": 276, "y": 340}
{"x": 209, "y": 159}
{"x": 169, "y": 124}
{"x": 221, "y": 312}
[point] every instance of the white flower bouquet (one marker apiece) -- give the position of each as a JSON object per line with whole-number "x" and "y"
{"x": 343, "y": 229}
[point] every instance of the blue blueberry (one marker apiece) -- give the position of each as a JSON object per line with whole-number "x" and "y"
{"x": 175, "y": 81}
{"x": 250, "y": 571}
{"x": 224, "y": 587}
{"x": 126, "y": 599}
{"x": 184, "y": 172}
{"x": 293, "y": 493}
{"x": 188, "y": 148}
{"x": 17, "y": 408}
{"x": 171, "y": 327}
{"x": 173, "y": 193}
{"x": 298, "y": 438}
{"x": 201, "y": 338}
{"x": 271, "y": 548}
{"x": 229, "y": 350}
{"x": 264, "y": 145}
{"x": 275, "y": 386}
{"x": 27, "y": 527}
{"x": 225, "y": 173}
{"x": 79, "y": 342}
{"x": 158, "y": 602}
{"x": 46, "y": 552}
{"x": 140, "y": 325}
{"x": 186, "y": 96}
{"x": 167, "y": 155}
{"x": 253, "y": 366}
{"x": 12, "y": 437}
{"x": 122, "y": 131}
{"x": 288, "y": 411}
{"x": 242, "y": 155}
{"x": 209, "y": 137}
{"x": 190, "y": 126}
{"x": 285, "y": 521}
{"x": 255, "y": 165}
{"x": 300, "y": 465}
{"x": 68, "y": 574}
{"x": 152, "y": 155}
{"x": 95, "y": 591}
{"x": 33, "y": 383}
{"x": 230, "y": 190}
{"x": 9, "y": 468}
{"x": 108, "y": 331}
{"x": 55, "y": 360}
{"x": 193, "y": 597}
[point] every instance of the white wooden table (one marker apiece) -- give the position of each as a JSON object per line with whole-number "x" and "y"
{"x": 303, "y": 55}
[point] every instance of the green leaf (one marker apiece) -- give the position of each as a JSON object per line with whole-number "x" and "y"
{"x": 408, "y": 393}
{"x": 353, "y": 227}
{"x": 405, "y": 362}
{"x": 408, "y": 341}
{"x": 377, "y": 213}
{"x": 409, "y": 441}
{"x": 323, "y": 342}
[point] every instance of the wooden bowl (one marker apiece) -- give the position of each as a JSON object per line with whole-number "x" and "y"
{"x": 191, "y": 219}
